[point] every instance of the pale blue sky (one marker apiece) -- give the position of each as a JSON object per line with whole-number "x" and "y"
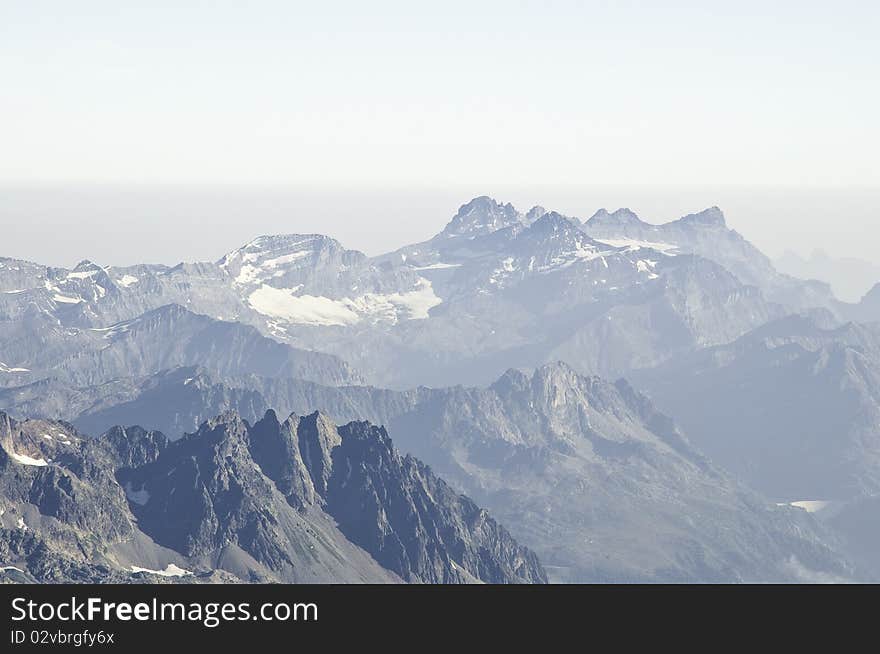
{"x": 377, "y": 119}
{"x": 454, "y": 92}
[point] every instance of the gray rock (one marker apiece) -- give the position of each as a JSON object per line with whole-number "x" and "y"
{"x": 272, "y": 502}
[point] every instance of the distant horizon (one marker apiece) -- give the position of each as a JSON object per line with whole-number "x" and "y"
{"x": 178, "y": 131}
{"x": 210, "y": 220}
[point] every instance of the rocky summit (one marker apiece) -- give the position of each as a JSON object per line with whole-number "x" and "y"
{"x": 295, "y": 501}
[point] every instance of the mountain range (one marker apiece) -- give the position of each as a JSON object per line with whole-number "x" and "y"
{"x": 705, "y": 401}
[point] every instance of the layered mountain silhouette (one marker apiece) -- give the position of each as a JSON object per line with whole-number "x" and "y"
{"x": 586, "y": 472}
{"x": 297, "y": 501}
{"x": 714, "y": 419}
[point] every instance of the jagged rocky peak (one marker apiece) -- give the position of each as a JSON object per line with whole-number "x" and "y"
{"x": 552, "y": 221}
{"x": 562, "y": 394}
{"x": 132, "y": 447}
{"x": 513, "y": 380}
{"x": 85, "y": 285}
{"x": 389, "y": 503}
{"x": 621, "y": 216}
{"x": 90, "y": 273}
{"x": 271, "y": 256}
{"x": 550, "y": 385}
{"x": 269, "y": 244}
{"x": 555, "y": 239}
{"x": 711, "y": 217}
{"x": 556, "y": 384}
{"x": 534, "y": 213}
{"x": 480, "y": 216}
{"x": 231, "y": 482}
{"x": 86, "y": 266}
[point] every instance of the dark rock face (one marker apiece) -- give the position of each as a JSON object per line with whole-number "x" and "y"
{"x": 480, "y": 216}
{"x": 412, "y": 521}
{"x": 299, "y": 500}
{"x": 205, "y": 491}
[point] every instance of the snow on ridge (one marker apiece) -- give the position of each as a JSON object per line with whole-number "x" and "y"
{"x": 254, "y": 271}
{"x": 127, "y": 280}
{"x": 263, "y": 245}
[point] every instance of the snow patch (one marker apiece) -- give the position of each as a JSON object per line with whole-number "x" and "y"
{"x": 436, "y": 266}
{"x": 24, "y": 459}
{"x": 82, "y": 275}
{"x": 633, "y": 245}
{"x": 139, "y": 497}
{"x": 414, "y": 304}
{"x": 113, "y": 330}
{"x": 283, "y": 260}
{"x": 127, "y": 280}
{"x": 647, "y": 266}
{"x": 247, "y": 275}
{"x": 300, "y": 309}
{"x": 5, "y": 368}
{"x": 811, "y": 506}
{"x": 254, "y": 271}
{"x": 64, "y": 299}
{"x": 322, "y": 311}
{"x": 170, "y": 571}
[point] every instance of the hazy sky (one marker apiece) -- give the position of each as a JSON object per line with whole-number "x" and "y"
{"x": 362, "y": 103}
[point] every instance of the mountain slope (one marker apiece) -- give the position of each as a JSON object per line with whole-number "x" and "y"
{"x": 166, "y": 337}
{"x": 707, "y": 235}
{"x": 793, "y": 407}
{"x": 340, "y": 505}
{"x": 584, "y": 471}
